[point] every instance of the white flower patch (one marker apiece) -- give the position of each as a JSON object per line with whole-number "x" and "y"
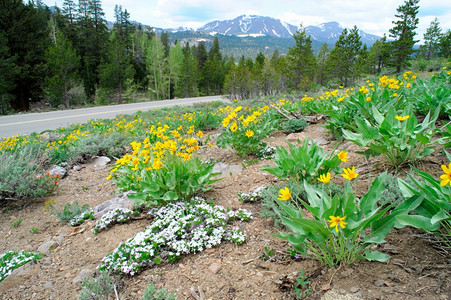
{"x": 78, "y": 220}
{"x": 177, "y": 229}
{"x": 13, "y": 259}
{"x": 253, "y": 196}
{"x": 120, "y": 215}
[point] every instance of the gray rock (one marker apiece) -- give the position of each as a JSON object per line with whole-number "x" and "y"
{"x": 121, "y": 201}
{"x": 226, "y": 169}
{"x": 339, "y": 295}
{"x": 215, "y": 268}
{"x": 295, "y": 137}
{"x": 59, "y": 239}
{"x": 83, "y": 273}
{"x": 19, "y": 276}
{"x": 47, "y": 247}
{"x": 379, "y": 283}
{"x": 77, "y": 168}
{"x": 101, "y": 161}
{"x": 354, "y": 289}
{"x": 57, "y": 170}
{"x": 320, "y": 141}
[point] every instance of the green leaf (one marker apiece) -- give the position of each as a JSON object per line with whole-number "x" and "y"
{"x": 170, "y": 196}
{"x": 376, "y": 256}
{"x": 416, "y": 221}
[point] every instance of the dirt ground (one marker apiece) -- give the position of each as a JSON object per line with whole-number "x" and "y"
{"x": 416, "y": 270}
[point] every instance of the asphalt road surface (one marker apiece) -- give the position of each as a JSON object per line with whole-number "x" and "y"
{"x": 25, "y": 124}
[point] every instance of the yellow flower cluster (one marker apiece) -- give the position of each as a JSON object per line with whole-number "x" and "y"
{"x": 67, "y": 140}
{"x": 10, "y": 144}
{"x": 162, "y": 141}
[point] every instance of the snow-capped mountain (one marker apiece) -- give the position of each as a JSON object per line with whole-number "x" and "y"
{"x": 331, "y": 31}
{"x": 251, "y": 26}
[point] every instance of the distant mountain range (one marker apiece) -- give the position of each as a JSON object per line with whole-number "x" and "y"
{"x": 265, "y": 26}
{"x": 249, "y": 34}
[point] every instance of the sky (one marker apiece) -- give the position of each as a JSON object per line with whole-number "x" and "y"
{"x": 371, "y": 16}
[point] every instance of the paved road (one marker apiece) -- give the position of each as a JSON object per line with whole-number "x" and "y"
{"x": 24, "y": 124}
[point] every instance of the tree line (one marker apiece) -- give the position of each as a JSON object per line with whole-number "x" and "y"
{"x": 69, "y": 56}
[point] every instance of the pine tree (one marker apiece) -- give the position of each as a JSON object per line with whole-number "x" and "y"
{"x": 23, "y": 29}
{"x": 7, "y": 75}
{"x": 118, "y": 69}
{"x": 301, "y": 60}
{"x": 378, "y": 55}
{"x": 404, "y": 32}
{"x": 342, "y": 59}
{"x": 93, "y": 36}
{"x": 430, "y": 49}
{"x": 445, "y": 45}
{"x": 321, "y": 66}
{"x": 188, "y": 84}
{"x": 63, "y": 64}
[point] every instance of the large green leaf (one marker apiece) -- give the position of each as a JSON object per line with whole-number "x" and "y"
{"x": 377, "y": 256}
{"x": 417, "y": 221}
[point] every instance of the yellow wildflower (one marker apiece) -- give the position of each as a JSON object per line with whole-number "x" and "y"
{"x": 199, "y": 133}
{"x": 402, "y": 118}
{"x": 335, "y": 221}
{"x": 343, "y": 156}
{"x": 349, "y": 173}
{"x": 368, "y": 99}
{"x": 233, "y": 127}
{"x": 284, "y": 194}
{"x": 446, "y": 178}
{"x": 324, "y": 178}
{"x": 249, "y": 133}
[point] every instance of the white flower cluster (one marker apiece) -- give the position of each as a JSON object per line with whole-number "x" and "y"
{"x": 13, "y": 259}
{"x": 266, "y": 152}
{"x": 253, "y": 196}
{"x": 177, "y": 228}
{"x": 119, "y": 215}
{"x": 78, "y": 220}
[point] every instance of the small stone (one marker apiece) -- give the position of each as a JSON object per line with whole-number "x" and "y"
{"x": 295, "y": 137}
{"x": 354, "y": 289}
{"x": 83, "y": 273}
{"x": 47, "y": 247}
{"x": 379, "y": 283}
{"x": 57, "y": 170}
{"x": 46, "y": 262}
{"x": 215, "y": 268}
{"x": 77, "y": 168}
{"x": 101, "y": 161}
{"x": 59, "y": 239}
{"x": 48, "y": 285}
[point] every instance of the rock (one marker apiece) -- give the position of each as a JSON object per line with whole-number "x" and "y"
{"x": 19, "y": 275}
{"x": 295, "y": 137}
{"x": 48, "y": 285}
{"x": 59, "y": 239}
{"x": 320, "y": 141}
{"x": 379, "y": 283}
{"x": 101, "y": 161}
{"x": 57, "y": 170}
{"x": 338, "y": 295}
{"x": 77, "y": 168}
{"x": 354, "y": 289}
{"x": 215, "y": 267}
{"x": 47, "y": 247}
{"x": 226, "y": 169}
{"x": 121, "y": 201}
{"x": 83, "y": 273}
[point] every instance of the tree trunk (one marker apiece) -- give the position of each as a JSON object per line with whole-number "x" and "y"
{"x": 119, "y": 88}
